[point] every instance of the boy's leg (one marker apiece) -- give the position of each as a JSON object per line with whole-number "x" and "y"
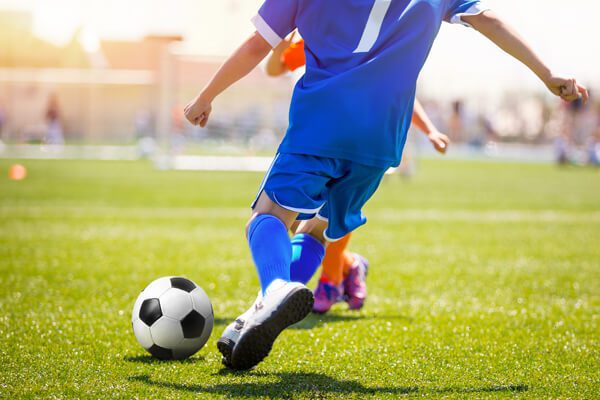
{"x": 308, "y": 249}
{"x": 267, "y": 234}
{"x": 249, "y": 339}
{"x": 294, "y": 184}
{"x": 308, "y": 253}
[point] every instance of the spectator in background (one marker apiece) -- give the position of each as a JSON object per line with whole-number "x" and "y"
{"x": 489, "y": 132}
{"x": 2, "y": 123}
{"x": 594, "y": 142}
{"x": 2, "y": 119}
{"x": 572, "y": 135}
{"x": 456, "y": 122}
{"x": 143, "y": 122}
{"x": 562, "y": 149}
{"x": 54, "y": 129}
{"x": 177, "y": 130}
{"x": 144, "y": 134}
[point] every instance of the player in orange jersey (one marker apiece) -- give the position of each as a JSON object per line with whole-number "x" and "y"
{"x": 343, "y": 277}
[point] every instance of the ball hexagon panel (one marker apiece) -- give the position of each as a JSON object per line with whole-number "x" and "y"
{"x": 142, "y": 333}
{"x": 150, "y": 311}
{"x": 166, "y": 332}
{"x": 176, "y": 304}
{"x": 192, "y": 325}
{"x": 182, "y": 283}
{"x": 157, "y": 287}
{"x": 201, "y": 302}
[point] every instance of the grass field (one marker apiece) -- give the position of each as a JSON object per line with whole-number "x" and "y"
{"x": 485, "y": 283}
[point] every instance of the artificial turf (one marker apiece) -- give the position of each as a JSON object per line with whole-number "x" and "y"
{"x": 484, "y": 283}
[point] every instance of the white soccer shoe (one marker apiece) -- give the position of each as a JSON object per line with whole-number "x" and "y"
{"x": 248, "y": 340}
{"x": 231, "y": 334}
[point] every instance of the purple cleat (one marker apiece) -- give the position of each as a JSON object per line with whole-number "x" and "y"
{"x": 326, "y": 295}
{"x": 355, "y": 286}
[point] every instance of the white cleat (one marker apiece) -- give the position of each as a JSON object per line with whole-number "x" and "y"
{"x": 231, "y": 334}
{"x": 249, "y": 340}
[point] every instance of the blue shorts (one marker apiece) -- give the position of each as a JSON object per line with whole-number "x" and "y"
{"x": 331, "y": 189}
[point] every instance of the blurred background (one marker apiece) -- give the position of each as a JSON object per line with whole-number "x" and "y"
{"x": 109, "y": 79}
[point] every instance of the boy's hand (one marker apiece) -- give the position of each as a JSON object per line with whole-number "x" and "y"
{"x": 499, "y": 32}
{"x": 439, "y": 141}
{"x": 198, "y": 110}
{"x": 567, "y": 89}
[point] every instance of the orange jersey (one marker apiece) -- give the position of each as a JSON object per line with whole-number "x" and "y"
{"x": 293, "y": 57}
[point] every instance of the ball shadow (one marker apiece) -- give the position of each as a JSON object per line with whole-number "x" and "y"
{"x": 148, "y": 359}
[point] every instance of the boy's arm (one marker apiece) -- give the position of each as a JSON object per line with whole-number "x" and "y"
{"x": 238, "y": 65}
{"x": 422, "y": 121}
{"x": 505, "y": 37}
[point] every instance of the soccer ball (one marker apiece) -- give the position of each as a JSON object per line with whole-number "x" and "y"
{"x": 172, "y": 318}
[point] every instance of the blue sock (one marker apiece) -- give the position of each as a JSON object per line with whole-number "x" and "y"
{"x": 271, "y": 250}
{"x": 307, "y": 255}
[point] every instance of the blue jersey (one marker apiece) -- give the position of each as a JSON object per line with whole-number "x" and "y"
{"x": 363, "y": 58}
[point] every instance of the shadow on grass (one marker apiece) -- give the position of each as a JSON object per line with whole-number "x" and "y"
{"x": 148, "y": 359}
{"x": 490, "y": 389}
{"x": 288, "y": 384}
{"x": 313, "y": 320}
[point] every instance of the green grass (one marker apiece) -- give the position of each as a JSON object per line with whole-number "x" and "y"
{"x": 485, "y": 283}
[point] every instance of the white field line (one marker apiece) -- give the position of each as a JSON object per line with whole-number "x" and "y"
{"x": 385, "y": 215}
{"x": 221, "y": 163}
{"x": 68, "y": 152}
{"x": 397, "y": 215}
{"x": 505, "y": 152}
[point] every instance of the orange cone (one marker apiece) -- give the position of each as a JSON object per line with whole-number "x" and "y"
{"x": 17, "y": 172}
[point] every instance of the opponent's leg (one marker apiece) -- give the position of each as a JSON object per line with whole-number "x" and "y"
{"x": 335, "y": 260}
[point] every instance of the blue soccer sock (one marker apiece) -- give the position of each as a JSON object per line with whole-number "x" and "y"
{"x": 271, "y": 250}
{"x": 307, "y": 255}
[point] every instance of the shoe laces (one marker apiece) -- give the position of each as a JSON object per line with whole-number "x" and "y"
{"x": 239, "y": 324}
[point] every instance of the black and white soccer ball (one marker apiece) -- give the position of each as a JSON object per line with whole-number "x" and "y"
{"x": 172, "y": 318}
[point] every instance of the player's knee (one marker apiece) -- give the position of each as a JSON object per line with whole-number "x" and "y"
{"x": 318, "y": 237}
{"x": 315, "y": 228}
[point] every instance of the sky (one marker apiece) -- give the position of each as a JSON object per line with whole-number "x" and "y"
{"x": 564, "y": 32}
